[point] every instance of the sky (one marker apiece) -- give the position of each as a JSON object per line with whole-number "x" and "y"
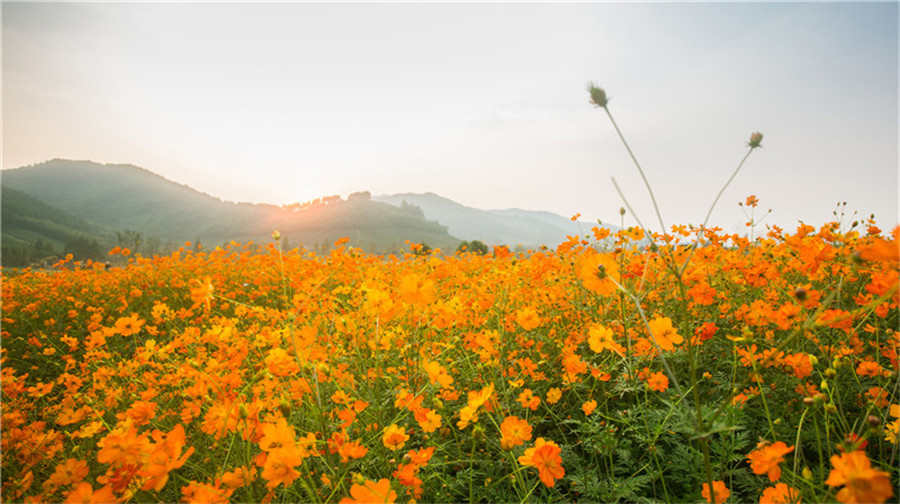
{"x": 482, "y": 103}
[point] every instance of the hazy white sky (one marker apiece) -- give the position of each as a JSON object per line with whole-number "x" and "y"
{"x": 484, "y": 103}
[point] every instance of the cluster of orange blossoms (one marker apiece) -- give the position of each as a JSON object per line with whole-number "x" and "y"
{"x": 246, "y": 373}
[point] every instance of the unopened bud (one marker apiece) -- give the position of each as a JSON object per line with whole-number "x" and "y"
{"x": 830, "y": 373}
{"x": 285, "y": 408}
{"x": 873, "y": 420}
{"x": 276, "y": 235}
{"x": 800, "y": 294}
{"x": 755, "y": 140}
{"x": 243, "y": 412}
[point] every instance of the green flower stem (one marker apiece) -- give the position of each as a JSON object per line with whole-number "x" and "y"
{"x": 711, "y": 208}
{"x": 640, "y": 170}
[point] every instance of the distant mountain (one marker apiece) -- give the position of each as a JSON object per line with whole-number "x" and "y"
{"x": 32, "y": 230}
{"x": 512, "y": 227}
{"x": 128, "y": 205}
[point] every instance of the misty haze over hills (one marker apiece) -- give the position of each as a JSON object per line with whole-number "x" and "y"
{"x": 512, "y": 227}
{"x": 86, "y": 208}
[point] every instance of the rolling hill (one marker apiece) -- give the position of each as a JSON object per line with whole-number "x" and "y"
{"x": 112, "y": 203}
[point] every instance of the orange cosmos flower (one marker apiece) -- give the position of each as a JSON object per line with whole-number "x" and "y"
{"x": 202, "y": 292}
{"x": 428, "y": 420}
{"x": 666, "y": 335}
{"x": 719, "y": 489}
{"x": 513, "y": 432}
{"x": 601, "y": 338}
{"x": 868, "y": 368}
{"x": 765, "y": 459}
{"x": 352, "y": 450}
{"x": 437, "y": 374}
{"x": 394, "y": 437}
{"x": 414, "y": 289}
{"x": 861, "y": 482}
{"x": 123, "y": 446}
{"x": 370, "y": 492}
{"x": 208, "y": 494}
{"x": 420, "y": 457}
{"x": 84, "y": 493}
{"x": 528, "y": 400}
{"x": 141, "y": 412}
{"x": 780, "y": 494}
{"x": 598, "y": 272}
{"x": 68, "y": 472}
{"x": 279, "y": 467}
{"x": 126, "y": 326}
{"x": 280, "y": 363}
{"x": 165, "y": 457}
{"x": 241, "y": 476}
{"x": 589, "y": 407}
{"x": 546, "y": 459}
{"x": 528, "y": 319}
{"x": 658, "y": 381}
{"x": 277, "y": 436}
{"x": 554, "y": 395}
{"x": 881, "y": 250}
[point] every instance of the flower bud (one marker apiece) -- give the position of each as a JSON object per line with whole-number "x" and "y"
{"x": 478, "y": 432}
{"x": 755, "y": 140}
{"x": 276, "y": 235}
{"x": 807, "y": 473}
{"x": 285, "y": 408}
{"x": 598, "y": 96}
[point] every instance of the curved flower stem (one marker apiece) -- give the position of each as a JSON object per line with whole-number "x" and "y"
{"x": 713, "y": 206}
{"x": 640, "y": 170}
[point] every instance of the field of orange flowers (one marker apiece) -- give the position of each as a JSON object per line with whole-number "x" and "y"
{"x": 602, "y": 371}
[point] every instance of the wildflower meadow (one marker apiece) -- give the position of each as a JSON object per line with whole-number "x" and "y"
{"x": 621, "y": 366}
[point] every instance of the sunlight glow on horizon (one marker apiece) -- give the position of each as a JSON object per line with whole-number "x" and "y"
{"x": 484, "y": 104}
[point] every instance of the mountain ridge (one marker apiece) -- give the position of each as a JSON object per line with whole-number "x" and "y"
{"x": 114, "y": 203}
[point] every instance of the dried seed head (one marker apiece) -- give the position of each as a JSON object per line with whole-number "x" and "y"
{"x": 598, "y": 95}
